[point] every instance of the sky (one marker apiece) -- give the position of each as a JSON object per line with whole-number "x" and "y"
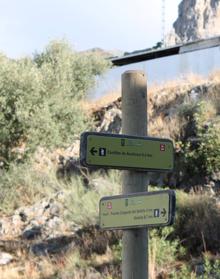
{"x": 27, "y": 26}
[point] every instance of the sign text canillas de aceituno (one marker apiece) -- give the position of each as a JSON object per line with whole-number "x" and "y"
{"x": 151, "y": 209}
{"x": 126, "y": 152}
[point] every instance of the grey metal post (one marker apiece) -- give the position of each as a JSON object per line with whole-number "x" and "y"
{"x": 134, "y": 122}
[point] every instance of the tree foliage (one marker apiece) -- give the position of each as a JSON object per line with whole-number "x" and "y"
{"x": 40, "y": 97}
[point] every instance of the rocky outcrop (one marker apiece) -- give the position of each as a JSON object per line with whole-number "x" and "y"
{"x": 108, "y": 118}
{"x": 44, "y": 228}
{"x": 31, "y": 225}
{"x": 197, "y": 19}
{"x": 41, "y": 232}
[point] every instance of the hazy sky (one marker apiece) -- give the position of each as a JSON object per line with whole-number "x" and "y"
{"x": 27, "y": 26}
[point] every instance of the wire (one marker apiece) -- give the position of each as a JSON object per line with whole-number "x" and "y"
{"x": 163, "y": 22}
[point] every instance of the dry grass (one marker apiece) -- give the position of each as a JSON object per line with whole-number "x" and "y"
{"x": 70, "y": 266}
{"x": 24, "y": 185}
{"x": 165, "y": 100}
{"x": 30, "y": 269}
{"x": 166, "y": 128}
{"x": 189, "y": 81}
{"x": 91, "y": 106}
{"x": 198, "y": 223}
{"x": 170, "y": 89}
{"x": 214, "y": 77}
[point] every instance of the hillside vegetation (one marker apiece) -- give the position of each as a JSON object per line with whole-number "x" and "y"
{"x": 49, "y": 204}
{"x": 40, "y": 98}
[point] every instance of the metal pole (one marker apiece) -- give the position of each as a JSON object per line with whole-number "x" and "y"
{"x": 134, "y": 122}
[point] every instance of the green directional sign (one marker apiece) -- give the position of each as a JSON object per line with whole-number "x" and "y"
{"x": 126, "y": 152}
{"x": 151, "y": 209}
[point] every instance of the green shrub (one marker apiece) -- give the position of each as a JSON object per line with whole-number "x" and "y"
{"x": 40, "y": 98}
{"x": 197, "y": 223}
{"x": 202, "y": 155}
{"x": 163, "y": 252}
{"x": 21, "y": 92}
{"x": 183, "y": 272}
{"x": 117, "y": 252}
{"x": 24, "y": 184}
{"x": 211, "y": 268}
{"x": 67, "y": 72}
{"x": 83, "y": 203}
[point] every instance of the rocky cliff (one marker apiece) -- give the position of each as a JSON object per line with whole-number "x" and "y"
{"x": 196, "y": 19}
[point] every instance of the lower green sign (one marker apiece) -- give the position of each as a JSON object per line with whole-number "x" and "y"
{"x": 126, "y": 152}
{"x": 151, "y": 209}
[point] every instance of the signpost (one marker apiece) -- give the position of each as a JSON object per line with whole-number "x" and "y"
{"x": 126, "y": 152}
{"x": 135, "y": 153}
{"x": 137, "y": 210}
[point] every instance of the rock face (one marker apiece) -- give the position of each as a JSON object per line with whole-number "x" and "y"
{"x": 108, "y": 118}
{"x": 43, "y": 228}
{"x": 197, "y": 19}
{"x": 35, "y": 228}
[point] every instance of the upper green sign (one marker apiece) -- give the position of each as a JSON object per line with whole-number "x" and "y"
{"x": 137, "y": 210}
{"x": 126, "y": 152}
